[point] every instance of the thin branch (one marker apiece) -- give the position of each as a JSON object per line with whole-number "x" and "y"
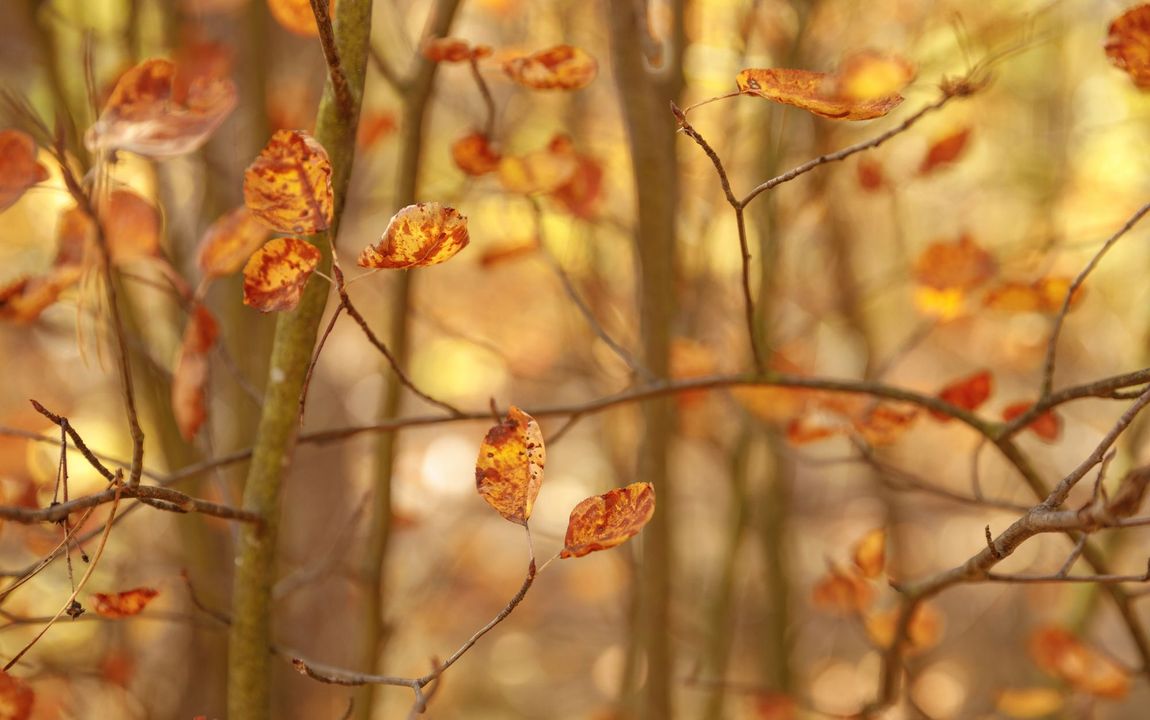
{"x": 158, "y": 497}
{"x": 78, "y": 441}
{"x": 343, "y": 97}
{"x": 397, "y": 83}
{"x": 485, "y": 91}
{"x": 315, "y": 357}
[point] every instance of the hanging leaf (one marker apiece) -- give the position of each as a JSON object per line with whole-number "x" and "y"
{"x": 16, "y": 698}
{"x": 418, "y": 236}
{"x": 509, "y": 470}
{"x": 870, "y": 553}
{"x": 871, "y": 75}
{"x": 563, "y": 67}
{"x": 296, "y": 16}
{"x": 132, "y": 226}
{"x": 540, "y": 171}
{"x": 944, "y": 151}
{"x": 923, "y": 632}
{"x": 1044, "y": 295}
{"x": 474, "y": 155}
{"x": 841, "y": 592}
{"x": 1026, "y": 703}
{"x": 580, "y": 195}
{"x": 289, "y": 185}
{"x": 123, "y": 604}
{"x": 276, "y": 274}
{"x": 374, "y": 127}
{"x": 1060, "y": 654}
{"x": 453, "y": 50}
{"x": 607, "y": 520}
{"x": 961, "y": 265}
{"x": 1128, "y": 45}
{"x": 19, "y": 168}
{"x": 189, "y": 401}
{"x": 229, "y": 242}
{"x": 871, "y": 177}
{"x": 1047, "y": 426}
{"x": 882, "y": 423}
{"x": 144, "y": 114}
{"x": 968, "y": 393}
{"x": 23, "y": 300}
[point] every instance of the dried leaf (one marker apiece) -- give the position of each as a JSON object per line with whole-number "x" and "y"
{"x": 961, "y": 265}
{"x": 296, "y": 16}
{"x": 23, "y": 300}
{"x": 563, "y": 67}
{"x": 870, "y": 175}
{"x": 1044, "y": 295}
{"x": 540, "y": 171}
{"x": 474, "y": 155}
{"x": 943, "y": 305}
{"x": 508, "y": 251}
{"x": 374, "y": 127}
{"x": 189, "y": 402}
{"x": 944, "y": 151}
{"x": 923, "y": 632}
{"x": 1060, "y": 654}
{"x": 581, "y": 193}
{"x": 275, "y": 275}
{"x": 1047, "y": 426}
{"x": 289, "y": 185}
{"x": 418, "y": 236}
{"x": 453, "y": 50}
{"x": 145, "y": 116}
{"x": 882, "y": 423}
{"x": 131, "y": 226}
{"x": 16, "y": 698}
{"x": 968, "y": 393}
{"x": 1128, "y": 44}
{"x": 1025, "y": 703}
{"x": 19, "y": 169}
{"x": 230, "y": 241}
{"x": 841, "y": 592}
{"x": 870, "y": 553}
{"x": 123, "y": 604}
{"x": 871, "y": 75}
{"x": 607, "y": 520}
{"x": 509, "y": 470}
{"x": 815, "y": 92}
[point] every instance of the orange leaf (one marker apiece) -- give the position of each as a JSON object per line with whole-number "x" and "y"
{"x": 131, "y": 226}
{"x": 296, "y": 16}
{"x": 540, "y": 171}
{"x": 1033, "y": 702}
{"x": 580, "y": 194}
{"x": 23, "y": 300}
{"x": 124, "y": 604}
{"x": 191, "y": 375}
{"x": 509, "y": 470}
{"x": 814, "y": 92}
{"x": 563, "y": 67}
{"x": 840, "y": 592}
{"x": 275, "y": 275}
{"x": 962, "y": 264}
{"x": 870, "y": 175}
{"x": 418, "y": 236}
{"x": 923, "y": 632}
{"x": 474, "y": 155}
{"x": 870, "y": 553}
{"x": 1128, "y": 45}
{"x": 143, "y": 114}
{"x": 1044, "y": 295}
{"x": 19, "y": 169}
{"x": 607, "y": 520}
{"x": 883, "y": 424}
{"x": 775, "y": 706}
{"x": 1060, "y": 654}
{"x": 16, "y": 698}
{"x": 968, "y": 393}
{"x": 230, "y": 241}
{"x": 1047, "y": 426}
{"x": 871, "y": 75}
{"x": 453, "y": 50}
{"x": 289, "y": 185}
{"x": 690, "y": 359}
{"x": 508, "y": 251}
{"x": 374, "y": 127}
{"x": 944, "y": 151}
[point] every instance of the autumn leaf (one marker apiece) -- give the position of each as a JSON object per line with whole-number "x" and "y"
{"x": 563, "y": 67}
{"x": 841, "y": 592}
{"x": 418, "y": 236}
{"x": 374, "y": 127}
{"x": 883, "y": 423}
{"x": 453, "y": 50}
{"x": 23, "y": 300}
{"x": 923, "y": 632}
{"x": 1060, "y": 654}
{"x": 1047, "y": 426}
{"x": 775, "y": 706}
{"x": 944, "y": 151}
{"x": 1128, "y": 44}
{"x": 968, "y": 393}
{"x": 580, "y": 195}
{"x": 131, "y": 226}
{"x": 507, "y": 252}
{"x": 1044, "y": 295}
{"x": 870, "y": 175}
{"x": 961, "y": 265}
{"x": 289, "y": 185}
{"x": 189, "y": 402}
{"x": 296, "y": 16}
{"x": 16, "y": 698}
{"x": 864, "y": 88}
{"x": 229, "y": 242}
{"x": 19, "y": 168}
{"x": 540, "y": 171}
{"x": 869, "y": 553}
{"x": 474, "y": 155}
{"x": 607, "y": 520}
{"x": 1032, "y": 702}
{"x": 870, "y": 75}
{"x": 275, "y": 275}
{"x": 509, "y": 470}
{"x": 123, "y": 604}
{"x": 145, "y": 116}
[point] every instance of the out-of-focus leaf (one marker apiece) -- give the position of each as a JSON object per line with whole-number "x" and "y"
{"x": 869, "y": 553}
{"x": 230, "y": 241}
{"x": 968, "y": 393}
{"x": 145, "y": 116}
{"x": 944, "y": 151}
{"x": 848, "y": 94}
{"x": 418, "y": 236}
{"x": 870, "y": 175}
{"x": 374, "y": 127}
{"x": 842, "y": 592}
{"x": 296, "y": 16}
{"x": 509, "y": 470}
{"x": 961, "y": 265}
{"x": 607, "y": 520}
{"x": 474, "y": 155}
{"x": 581, "y": 193}
{"x": 16, "y": 698}
{"x": 775, "y": 706}
{"x": 1062, "y": 655}
{"x": 132, "y": 226}
{"x": 453, "y": 50}
{"x": 882, "y": 423}
{"x": 1026, "y": 703}
{"x": 23, "y": 300}
{"x": 540, "y": 171}
{"x": 19, "y": 168}
{"x": 1128, "y": 45}
{"x": 923, "y": 632}
{"x": 507, "y": 252}
{"x": 1044, "y": 295}
{"x": 289, "y": 185}
{"x": 276, "y": 274}
{"x": 563, "y": 67}
{"x": 871, "y": 75}
{"x": 124, "y": 604}
{"x": 1047, "y": 426}
{"x": 189, "y": 401}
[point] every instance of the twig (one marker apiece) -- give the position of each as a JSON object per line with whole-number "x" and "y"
{"x": 158, "y": 497}
{"x": 315, "y": 357}
{"x": 397, "y": 83}
{"x": 343, "y": 98}
{"x": 485, "y": 91}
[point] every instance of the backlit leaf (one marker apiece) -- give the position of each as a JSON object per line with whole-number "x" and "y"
{"x": 289, "y": 185}
{"x": 607, "y": 520}
{"x": 1044, "y": 295}
{"x": 19, "y": 169}
{"x": 1025, "y": 703}
{"x": 961, "y": 264}
{"x": 374, "y": 127}
{"x": 870, "y": 75}
{"x": 1128, "y": 45}
{"x": 508, "y": 251}
{"x": 540, "y": 171}
{"x": 123, "y": 604}
{"x": 418, "y": 236}
{"x": 145, "y": 115}
{"x": 453, "y": 50}
{"x": 968, "y": 393}
{"x": 230, "y": 241}
{"x": 1060, "y": 654}
{"x": 563, "y": 67}
{"x": 581, "y": 193}
{"x": 275, "y": 275}
{"x": 16, "y": 698}
{"x": 842, "y": 592}
{"x": 944, "y": 151}
{"x": 22, "y": 301}
{"x": 1047, "y": 426}
{"x": 943, "y": 305}
{"x": 474, "y": 155}
{"x": 509, "y": 470}
{"x": 296, "y": 16}
{"x": 189, "y": 401}
{"x": 882, "y": 423}
{"x": 923, "y": 632}
{"x": 816, "y": 92}
{"x": 870, "y": 175}
{"x": 131, "y": 225}
{"x": 869, "y": 553}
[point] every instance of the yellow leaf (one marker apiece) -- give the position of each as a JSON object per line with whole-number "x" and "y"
{"x": 563, "y": 67}
{"x": 509, "y": 470}
{"x": 417, "y": 236}
{"x": 870, "y": 553}
{"x": 230, "y": 241}
{"x": 1025, "y": 703}
{"x": 289, "y": 185}
{"x": 607, "y": 520}
{"x": 814, "y": 92}
{"x": 1128, "y": 45}
{"x": 124, "y": 604}
{"x": 275, "y": 275}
